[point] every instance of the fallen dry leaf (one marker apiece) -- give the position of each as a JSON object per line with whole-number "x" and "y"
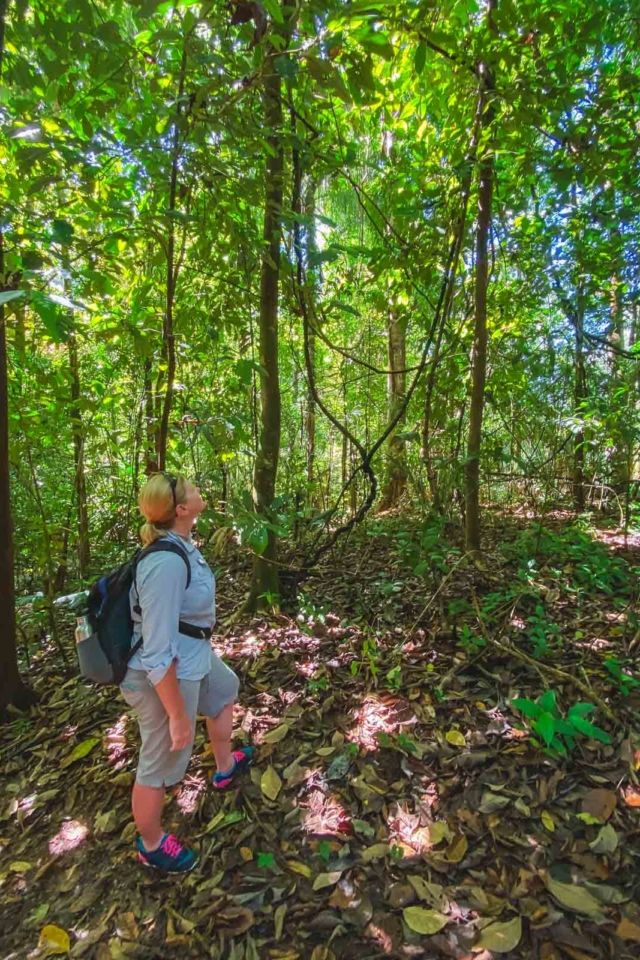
{"x": 424, "y": 921}
{"x": 574, "y": 897}
{"x": 501, "y": 937}
{"x": 627, "y": 930}
{"x": 270, "y": 783}
{"x": 600, "y": 804}
{"x": 53, "y": 940}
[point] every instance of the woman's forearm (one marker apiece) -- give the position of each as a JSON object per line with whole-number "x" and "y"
{"x": 168, "y": 690}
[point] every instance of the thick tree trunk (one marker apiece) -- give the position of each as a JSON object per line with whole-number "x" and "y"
{"x": 265, "y": 582}
{"x": 84, "y": 550}
{"x": 12, "y": 689}
{"x": 397, "y": 385}
{"x": 479, "y": 353}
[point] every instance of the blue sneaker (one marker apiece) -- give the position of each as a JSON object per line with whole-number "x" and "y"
{"x": 170, "y": 856}
{"x": 242, "y": 759}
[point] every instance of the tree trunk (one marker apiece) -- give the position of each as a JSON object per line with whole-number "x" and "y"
{"x": 84, "y": 550}
{"x": 150, "y": 459}
{"x": 311, "y": 292}
{"x": 580, "y": 394}
{"x": 479, "y": 353}
{"x": 168, "y": 335}
{"x": 397, "y": 385}
{"x": 265, "y": 581}
{"x": 12, "y": 689}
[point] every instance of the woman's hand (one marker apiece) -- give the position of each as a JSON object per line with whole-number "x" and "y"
{"x": 181, "y": 730}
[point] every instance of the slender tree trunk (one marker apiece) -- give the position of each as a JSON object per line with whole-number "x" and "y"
{"x": 479, "y": 353}
{"x": 150, "y": 460}
{"x": 265, "y": 581}
{"x": 426, "y": 452}
{"x": 580, "y": 394}
{"x": 84, "y": 550}
{"x": 168, "y": 335}
{"x": 311, "y": 292}
{"x": 397, "y": 385}
{"x": 12, "y": 689}
{"x": 63, "y": 560}
{"x": 620, "y": 474}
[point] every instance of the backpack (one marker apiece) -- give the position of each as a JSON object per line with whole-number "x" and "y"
{"x": 104, "y": 655}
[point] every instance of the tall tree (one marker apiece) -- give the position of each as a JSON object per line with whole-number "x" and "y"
{"x": 80, "y": 482}
{"x": 265, "y": 581}
{"x": 396, "y": 387}
{"x": 486, "y": 112}
{"x": 311, "y": 295}
{"x": 12, "y": 689}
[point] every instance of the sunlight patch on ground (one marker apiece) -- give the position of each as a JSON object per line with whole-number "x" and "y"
{"x": 308, "y": 669}
{"x": 325, "y": 815}
{"x": 381, "y": 937}
{"x": 192, "y": 790}
{"x": 379, "y": 713}
{"x": 26, "y": 806}
{"x": 70, "y": 835}
{"x": 614, "y": 617}
{"x": 615, "y": 538}
{"x": 595, "y": 643}
{"x": 115, "y": 742}
{"x": 247, "y": 645}
{"x": 407, "y": 832}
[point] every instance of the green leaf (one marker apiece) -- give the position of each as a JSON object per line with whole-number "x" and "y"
{"x": 266, "y": 860}
{"x": 420, "y": 58}
{"x": 345, "y": 307}
{"x": 527, "y": 707}
{"x": 590, "y": 729}
{"x": 580, "y": 710}
{"x": 374, "y": 41}
{"x": 323, "y": 256}
{"x": 6, "y": 296}
{"x": 56, "y": 323}
{"x": 81, "y": 750}
{"x": 286, "y": 67}
{"x": 62, "y": 232}
{"x": 548, "y": 701}
{"x": 273, "y": 9}
{"x": 546, "y": 727}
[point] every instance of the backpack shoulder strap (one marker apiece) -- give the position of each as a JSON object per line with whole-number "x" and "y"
{"x": 163, "y": 545}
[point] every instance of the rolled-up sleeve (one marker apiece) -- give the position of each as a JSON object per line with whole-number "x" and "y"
{"x": 162, "y": 581}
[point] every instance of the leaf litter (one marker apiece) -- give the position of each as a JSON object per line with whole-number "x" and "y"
{"x": 398, "y": 805}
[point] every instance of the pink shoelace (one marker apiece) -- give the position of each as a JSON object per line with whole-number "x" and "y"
{"x": 172, "y": 846}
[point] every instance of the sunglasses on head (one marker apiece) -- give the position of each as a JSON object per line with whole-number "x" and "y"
{"x": 173, "y": 482}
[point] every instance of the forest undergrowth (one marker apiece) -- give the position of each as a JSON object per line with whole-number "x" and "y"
{"x": 447, "y": 758}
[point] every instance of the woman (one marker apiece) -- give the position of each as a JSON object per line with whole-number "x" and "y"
{"x": 173, "y": 677}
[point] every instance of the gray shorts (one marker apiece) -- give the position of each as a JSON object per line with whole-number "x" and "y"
{"x": 159, "y": 765}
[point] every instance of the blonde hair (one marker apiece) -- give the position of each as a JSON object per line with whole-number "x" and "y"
{"x": 156, "y": 504}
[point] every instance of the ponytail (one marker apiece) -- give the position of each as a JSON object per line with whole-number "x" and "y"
{"x": 157, "y": 502}
{"x": 150, "y": 532}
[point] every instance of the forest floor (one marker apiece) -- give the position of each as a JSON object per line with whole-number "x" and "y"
{"x": 399, "y": 804}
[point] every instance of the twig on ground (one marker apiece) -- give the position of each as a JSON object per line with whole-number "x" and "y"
{"x": 543, "y": 668}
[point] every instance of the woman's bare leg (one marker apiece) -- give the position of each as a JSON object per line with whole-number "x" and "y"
{"x": 146, "y": 804}
{"x": 220, "y": 729}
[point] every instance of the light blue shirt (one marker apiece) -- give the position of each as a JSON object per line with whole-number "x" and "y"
{"x": 164, "y": 599}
